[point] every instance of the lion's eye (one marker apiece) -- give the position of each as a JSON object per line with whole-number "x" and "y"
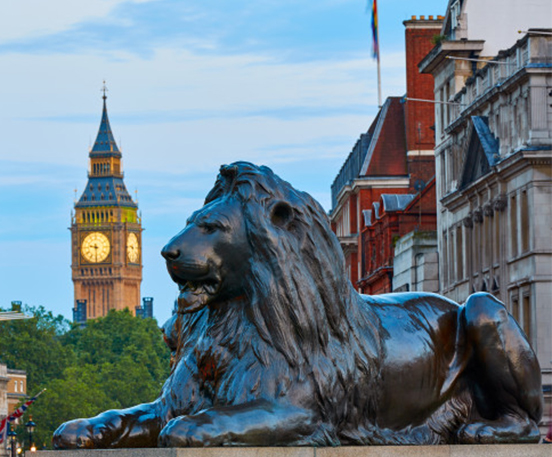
{"x": 209, "y": 227}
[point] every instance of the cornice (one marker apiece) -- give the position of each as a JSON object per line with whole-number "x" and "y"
{"x": 505, "y": 169}
{"x": 437, "y": 56}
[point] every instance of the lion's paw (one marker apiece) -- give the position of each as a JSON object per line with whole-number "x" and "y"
{"x": 186, "y": 432}
{"x": 510, "y": 430}
{"x": 76, "y": 434}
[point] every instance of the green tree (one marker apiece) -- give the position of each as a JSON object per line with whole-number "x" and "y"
{"x": 113, "y": 362}
{"x": 35, "y": 345}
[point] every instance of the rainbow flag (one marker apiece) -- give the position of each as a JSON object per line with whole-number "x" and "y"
{"x": 375, "y": 32}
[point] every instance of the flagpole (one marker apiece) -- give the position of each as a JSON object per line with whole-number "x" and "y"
{"x": 379, "y": 76}
{"x": 376, "y": 46}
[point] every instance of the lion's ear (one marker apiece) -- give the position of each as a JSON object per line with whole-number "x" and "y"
{"x": 281, "y": 214}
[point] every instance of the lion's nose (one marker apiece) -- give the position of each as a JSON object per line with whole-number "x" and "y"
{"x": 170, "y": 252}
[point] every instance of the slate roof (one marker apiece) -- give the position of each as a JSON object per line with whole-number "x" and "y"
{"x": 106, "y": 190}
{"x": 488, "y": 142}
{"x": 396, "y": 202}
{"x": 380, "y": 152}
{"x": 367, "y": 213}
{"x": 105, "y": 145}
{"x": 482, "y": 152}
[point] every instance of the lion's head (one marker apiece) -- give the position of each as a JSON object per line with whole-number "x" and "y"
{"x": 257, "y": 237}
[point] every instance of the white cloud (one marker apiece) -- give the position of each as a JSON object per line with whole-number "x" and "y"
{"x": 236, "y": 98}
{"x": 32, "y": 18}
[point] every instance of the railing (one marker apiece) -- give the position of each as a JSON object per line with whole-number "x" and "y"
{"x": 506, "y": 64}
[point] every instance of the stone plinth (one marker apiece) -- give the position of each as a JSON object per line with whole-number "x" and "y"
{"x": 494, "y": 450}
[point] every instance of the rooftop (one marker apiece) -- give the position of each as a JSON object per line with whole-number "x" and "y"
{"x": 380, "y": 152}
{"x": 105, "y": 142}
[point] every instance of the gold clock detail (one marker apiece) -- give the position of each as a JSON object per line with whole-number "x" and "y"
{"x": 133, "y": 248}
{"x": 95, "y": 247}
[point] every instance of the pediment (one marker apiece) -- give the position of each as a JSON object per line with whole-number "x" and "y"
{"x": 482, "y": 151}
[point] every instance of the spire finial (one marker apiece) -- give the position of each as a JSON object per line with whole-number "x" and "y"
{"x": 104, "y": 90}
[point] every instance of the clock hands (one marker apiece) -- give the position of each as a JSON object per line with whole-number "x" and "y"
{"x": 96, "y": 247}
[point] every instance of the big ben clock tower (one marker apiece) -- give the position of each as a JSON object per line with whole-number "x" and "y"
{"x": 106, "y": 233}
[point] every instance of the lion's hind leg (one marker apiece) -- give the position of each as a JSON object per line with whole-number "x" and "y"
{"x": 503, "y": 374}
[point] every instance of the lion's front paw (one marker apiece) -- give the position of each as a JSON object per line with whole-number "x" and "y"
{"x": 77, "y": 434}
{"x": 185, "y": 432}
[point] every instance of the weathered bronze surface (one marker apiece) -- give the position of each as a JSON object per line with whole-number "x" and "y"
{"x": 273, "y": 346}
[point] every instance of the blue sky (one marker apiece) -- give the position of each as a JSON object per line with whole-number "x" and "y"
{"x": 192, "y": 85}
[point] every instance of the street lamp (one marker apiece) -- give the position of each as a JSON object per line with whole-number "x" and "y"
{"x": 30, "y": 426}
{"x": 12, "y": 435}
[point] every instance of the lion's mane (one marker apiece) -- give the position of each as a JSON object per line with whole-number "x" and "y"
{"x": 299, "y": 297}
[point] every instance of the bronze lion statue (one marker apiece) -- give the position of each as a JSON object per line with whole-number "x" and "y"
{"x": 273, "y": 346}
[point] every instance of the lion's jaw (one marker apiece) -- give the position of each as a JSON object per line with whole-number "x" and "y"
{"x": 195, "y": 295}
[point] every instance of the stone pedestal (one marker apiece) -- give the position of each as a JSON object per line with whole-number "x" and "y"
{"x": 494, "y": 450}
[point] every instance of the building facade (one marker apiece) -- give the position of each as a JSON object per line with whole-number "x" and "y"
{"x": 17, "y": 388}
{"x": 391, "y": 220}
{"x": 392, "y": 159}
{"x": 494, "y": 164}
{"x": 106, "y": 234}
{"x": 3, "y": 399}
{"x": 3, "y": 391}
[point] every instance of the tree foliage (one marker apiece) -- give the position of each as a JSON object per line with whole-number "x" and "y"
{"x": 113, "y": 362}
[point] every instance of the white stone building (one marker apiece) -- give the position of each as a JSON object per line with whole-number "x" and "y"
{"x": 3, "y": 398}
{"x": 494, "y": 160}
{"x": 416, "y": 263}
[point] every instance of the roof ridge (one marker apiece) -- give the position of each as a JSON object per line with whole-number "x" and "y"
{"x": 375, "y": 135}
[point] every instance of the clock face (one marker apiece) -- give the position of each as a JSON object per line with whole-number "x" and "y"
{"x": 95, "y": 247}
{"x": 133, "y": 248}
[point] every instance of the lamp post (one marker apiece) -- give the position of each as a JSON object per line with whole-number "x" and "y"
{"x": 30, "y": 426}
{"x": 12, "y": 435}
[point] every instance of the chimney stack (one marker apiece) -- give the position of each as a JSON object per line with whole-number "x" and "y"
{"x": 420, "y": 116}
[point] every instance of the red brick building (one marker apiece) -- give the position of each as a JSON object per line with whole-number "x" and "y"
{"x": 394, "y": 157}
{"x": 389, "y": 219}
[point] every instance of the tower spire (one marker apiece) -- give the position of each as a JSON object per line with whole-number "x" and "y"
{"x": 105, "y": 141}
{"x": 104, "y": 90}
